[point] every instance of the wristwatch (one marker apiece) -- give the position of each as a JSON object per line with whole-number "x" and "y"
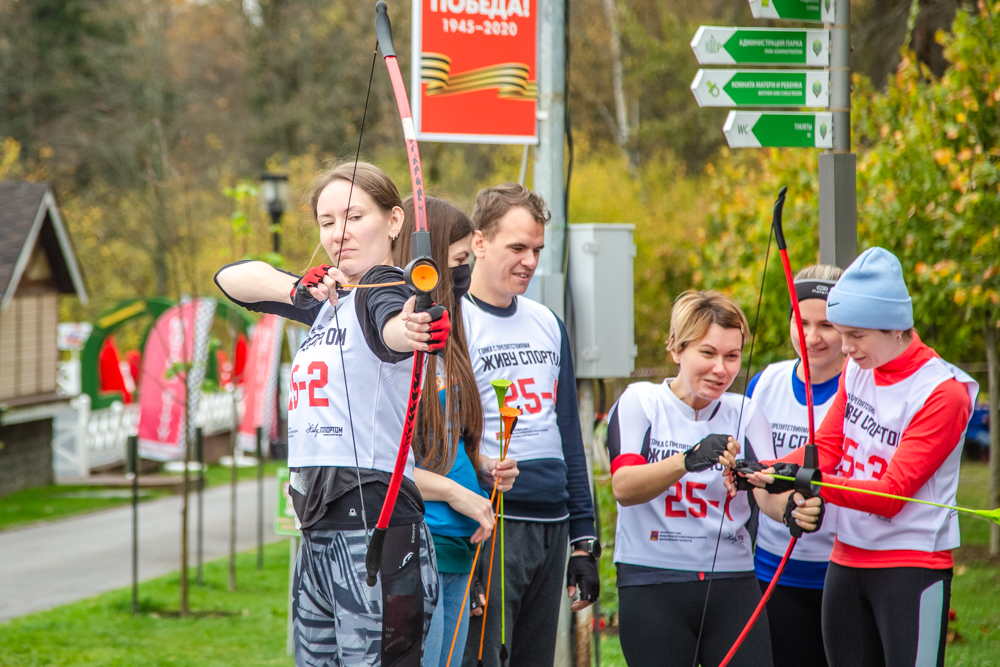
{"x": 592, "y": 547}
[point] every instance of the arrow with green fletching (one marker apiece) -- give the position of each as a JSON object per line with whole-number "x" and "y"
{"x": 992, "y": 515}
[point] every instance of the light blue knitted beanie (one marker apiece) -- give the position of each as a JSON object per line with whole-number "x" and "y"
{"x": 871, "y": 294}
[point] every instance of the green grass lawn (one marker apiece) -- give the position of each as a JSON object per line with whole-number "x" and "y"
{"x": 248, "y": 627}
{"x": 975, "y": 594}
{"x": 245, "y": 628}
{"x": 46, "y": 503}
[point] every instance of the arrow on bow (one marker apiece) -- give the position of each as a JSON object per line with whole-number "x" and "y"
{"x": 421, "y": 274}
{"x": 992, "y": 515}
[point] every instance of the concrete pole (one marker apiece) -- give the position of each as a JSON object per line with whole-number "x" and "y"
{"x": 838, "y": 198}
{"x": 549, "y": 176}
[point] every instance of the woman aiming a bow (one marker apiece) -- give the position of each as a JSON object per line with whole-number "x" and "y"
{"x": 348, "y": 394}
{"x": 679, "y": 532}
{"x": 896, "y": 426}
{"x": 446, "y": 444}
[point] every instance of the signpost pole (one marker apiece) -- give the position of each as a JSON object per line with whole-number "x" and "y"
{"x": 838, "y": 200}
{"x": 549, "y": 181}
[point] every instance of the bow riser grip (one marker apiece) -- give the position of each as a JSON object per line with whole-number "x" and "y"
{"x": 779, "y": 232}
{"x": 383, "y": 29}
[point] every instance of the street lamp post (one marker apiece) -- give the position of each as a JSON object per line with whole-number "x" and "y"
{"x": 274, "y": 191}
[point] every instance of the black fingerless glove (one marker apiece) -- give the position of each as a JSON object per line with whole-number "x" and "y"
{"x": 706, "y": 453}
{"x": 781, "y": 485}
{"x": 582, "y": 573}
{"x": 789, "y": 520}
{"x": 301, "y": 298}
{"x": 742, "y": 469}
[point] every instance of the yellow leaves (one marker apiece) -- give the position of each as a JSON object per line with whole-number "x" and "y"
{"x": 965, "y": 154}
{"x": 990, "y": 272}
{"x": 920, "y": 268}
{"x": 960, "y": 296}
{"x": 993, "y": 297}
{"x": 898, "y": 136}
{"x": 45, "y": 152}
{"x": 960, "y": 117}
{"x": 10, "y": 150}
{"x": 943, "y": 156}
{"x": 957, "y": 278}
{"x": 977, "y": 290}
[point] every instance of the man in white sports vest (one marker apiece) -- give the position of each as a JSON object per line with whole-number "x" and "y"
{"x": 550, "y": 506}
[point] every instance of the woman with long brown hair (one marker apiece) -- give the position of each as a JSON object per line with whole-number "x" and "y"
{"x": 446, "y": 442}
{"x": 349, "y": 391}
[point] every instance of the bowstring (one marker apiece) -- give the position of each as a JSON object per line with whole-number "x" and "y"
{"x": 746, "y": 383}
{"x": 336, "y": 310}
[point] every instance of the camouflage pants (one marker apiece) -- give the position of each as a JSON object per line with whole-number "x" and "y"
{"x": 338, "y": 621}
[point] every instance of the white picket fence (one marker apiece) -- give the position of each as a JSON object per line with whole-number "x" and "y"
{"x": 84, "y": 439}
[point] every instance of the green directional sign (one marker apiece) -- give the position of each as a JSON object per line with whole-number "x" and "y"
{"x": 762, "y": 88}
{"x": 820, "y": 11}
{"x": 752, "y": 129}
{"x": 761, "y": 46}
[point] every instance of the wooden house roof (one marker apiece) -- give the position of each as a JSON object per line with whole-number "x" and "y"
{"x": 29, "y": 216}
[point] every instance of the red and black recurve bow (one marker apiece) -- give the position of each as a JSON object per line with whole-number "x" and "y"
{"x": 421, "y": 274}
{"x": 809, "y": 472}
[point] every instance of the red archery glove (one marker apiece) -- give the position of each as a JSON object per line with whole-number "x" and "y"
{"x": 301, "y": 298}
{"x": 440, "y": 328}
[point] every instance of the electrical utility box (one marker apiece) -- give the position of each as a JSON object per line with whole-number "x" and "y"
{"x": 600, "y": 278}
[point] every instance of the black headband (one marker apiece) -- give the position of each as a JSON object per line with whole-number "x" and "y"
{"x": 812, "y": 289}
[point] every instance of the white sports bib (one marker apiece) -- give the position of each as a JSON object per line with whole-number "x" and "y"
{"x": 523, "y": 348}
{"x": 319, "y": 426}
{"x": 678, "y": 529}
{"x": 790, "y": 430}
{"x": 874, "y": 419}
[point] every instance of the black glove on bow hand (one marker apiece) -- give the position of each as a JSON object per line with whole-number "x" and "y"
{"x": 789, "y": 520}
{"x": 301, "y": 298}
{"x": 706, "y": 453}
{"x": 582, "y": 573}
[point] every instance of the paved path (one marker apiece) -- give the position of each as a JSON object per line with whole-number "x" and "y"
{"x": 52, "y": 564}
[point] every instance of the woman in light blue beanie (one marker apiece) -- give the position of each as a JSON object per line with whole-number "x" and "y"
{"x": 896, "y": 426}
{"x": 872, "y": 295}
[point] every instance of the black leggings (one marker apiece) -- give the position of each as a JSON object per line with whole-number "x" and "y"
{"x": 659, "y": 624}
{"x": 793, "y": 615}
{"x": 886, "y": 617}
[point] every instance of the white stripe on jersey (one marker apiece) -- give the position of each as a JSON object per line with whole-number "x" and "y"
{"x": 319, "y": 427}
{"x": 523, "y": 348}
{"x": 790, "y": 430}
{"x": 678, "y": 529}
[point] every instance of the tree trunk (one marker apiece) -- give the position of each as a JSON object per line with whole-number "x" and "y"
{"x": 623, "y": 130}
{"x": 993, "y": 385}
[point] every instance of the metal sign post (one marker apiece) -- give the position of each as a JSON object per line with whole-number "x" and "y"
{"x": 828, "y": 87}
{"x": 838, "y": 196}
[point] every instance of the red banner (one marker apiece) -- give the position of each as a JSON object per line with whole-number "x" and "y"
{"x": 173, "y": 369}
{"x": 260, "y": 384}
{"x": 477, "y": 73}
